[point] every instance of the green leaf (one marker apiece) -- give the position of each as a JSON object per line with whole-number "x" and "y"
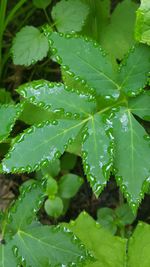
{"x": 134, "y": 71}
{"x": 33, "y": 244}
{"x": 106, "y": 216}
{"x": 139, "y": 244}
{"x": 7, "y": 258}
{"x": 5, "y": 97}
{"x": 97, "y": 151}
{"x": 54, "y": 207}
{"x": 29, "y": 46}
{"x": 52, "y": 169}
{"x": 44, "y": 246}
{"x": 41, "y": 144}
{"x": 109, "y": 251}
{"x": 42, "y": 3}
{"x": 57, "y": 98}
{"x": 142, "y": 27}
{"x": 131, "y": 149}
{"x": 8, "y": 116}
{"x": 120, "y": 27}
{"x": 140, "y": 105}
{"x": 125, "y": 214}
{"x": 51, "y": 186}
{"x": 69, "y": 184}
{"x": 90, "y": 64}
{"x": 69, "y": 15}
{"x": 32, "y": 114}
{"x": 23, "y": 212}
{"x": 98, "y": 18}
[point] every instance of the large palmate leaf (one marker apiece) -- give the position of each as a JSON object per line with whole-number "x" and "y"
{"x": 99, "y": 241}
{"x": 41, "y": 144}
{"x": 70, "y": 15}
{"x": 33, "y": 244}
{"x": 120, "y": 27}
{"x": 7, "y": 258}
{"x": 99, "y": 140}
{"x": 139, "y": 244}
{"x": 141, "y": 105}
{"x": 57, "y": 98}
{"x": 132, "y": 155}
{"x": 8, "y": 116}
{"x": 142, "y": 28}
{"x": 89, "y": 63}
{"x": 29, "y": 46}
{"x": 134, "y": 72}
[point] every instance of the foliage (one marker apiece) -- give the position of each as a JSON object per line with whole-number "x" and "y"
{"x": 25, "y": 241}
{"x": 116, "y": 220}
{"x": 142, "y": 30}
{"x": 119, "y": 252}
{"x": 64, "y": 99}
{"x": 83, "y": 112}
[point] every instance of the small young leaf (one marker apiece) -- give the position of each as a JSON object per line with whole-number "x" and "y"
{"x": 52, "y": 169}
{"x": 54, "y": 207}
{"x": 140, "y": 105}
{"x": 138, "y": 248}
{"x": 107, "y": 249}
{"x": 69, "y": 15}
{"x": 42, "y": 3}
{"x": 134, "y": 72}
{"x": 131, "y": 149}
{"x": 8, "y": 116}
{"x": 91, "y": 64}
{"x": 51, "y": 186}
{"x": 41, "y": 144}
{"x": 105, "y": 216}
{"x": 125, "y": 214}
{"x": 29, "y": 46}
{"x": 142, "y": 28}
{"x": 57, "y": 98}
{"x": 97, "y": 151}
{"x": 69, "y": 185}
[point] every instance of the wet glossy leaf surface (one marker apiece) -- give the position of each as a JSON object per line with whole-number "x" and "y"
{"x": 8, "y": 116}
{"x": 134, "y": 71}
{"x": 97, "y": 151}
{"x": 140, "y": 106}
{"x": 90, "y": 64}
{"x": 57, "y": 98}
{"x": 131, "y": 148}
{"x": 30, "y": 243}
{"x": 40, "y": 145}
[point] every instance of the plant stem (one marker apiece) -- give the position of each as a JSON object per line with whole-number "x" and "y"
{"x": 13, "y": 12}
{"x": 3, "y": 7}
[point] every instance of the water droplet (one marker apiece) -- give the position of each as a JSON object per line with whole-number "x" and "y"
{"x": 15, "y": 251}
